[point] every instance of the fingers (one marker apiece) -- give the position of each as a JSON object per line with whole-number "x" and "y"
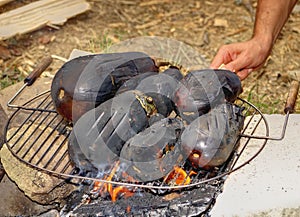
{"x": 244, "y": 73}
{"x": 234, "y": 67}
{"x": 222, "y": 57}
{"x": 241, "y": 72}
{"x": 239, "y": 63}
{"x": 241, "y": 58}
{"x": 217, "y": 62}
{"x": 237, "y": 66}
{"x": 231, "y": 57}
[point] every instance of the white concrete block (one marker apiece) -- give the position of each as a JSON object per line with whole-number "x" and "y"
{"x": 270, "y": 184}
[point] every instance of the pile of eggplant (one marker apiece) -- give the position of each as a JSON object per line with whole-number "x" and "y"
{"x": 123, "y": 109}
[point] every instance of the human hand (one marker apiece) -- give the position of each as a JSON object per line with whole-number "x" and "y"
{"x": 242, "y": 58}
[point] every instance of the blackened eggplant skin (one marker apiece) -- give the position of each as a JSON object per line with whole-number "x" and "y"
{"x": 160, "y": 87}
{"x": 152, "y": 153}
{"x": 85, "y": 82}
{"x": 133, "y": 82}
{"x": 201, "y": 90}
{"x": 210, "y": 139}
{"x": 99, "y": 135}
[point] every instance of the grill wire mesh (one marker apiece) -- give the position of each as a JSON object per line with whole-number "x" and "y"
{"x": 38, "y": 137}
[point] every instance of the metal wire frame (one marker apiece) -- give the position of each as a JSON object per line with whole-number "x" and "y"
{"x": 43, "y": 115}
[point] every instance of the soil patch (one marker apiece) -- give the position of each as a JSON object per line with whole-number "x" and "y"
{"x": 204, "y": 25}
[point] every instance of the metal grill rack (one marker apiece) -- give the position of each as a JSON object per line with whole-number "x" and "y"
{"x": 38, "y": 136}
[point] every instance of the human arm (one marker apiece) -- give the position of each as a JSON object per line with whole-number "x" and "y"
{"x": 244, "y": 57}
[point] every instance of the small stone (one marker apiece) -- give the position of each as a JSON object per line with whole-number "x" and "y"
{"x": 50, "y": 213}
{"x": 4, "y": 53}
{"x": 220, "y": 22}
{"x": 44, "y": 39}
{"x": 15, "y": 51}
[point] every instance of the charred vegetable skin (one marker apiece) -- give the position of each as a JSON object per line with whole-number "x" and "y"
{"x": 201, "y": 90}
{"x": 106, "y": 128}
{"x": 160, "y": 87}
{"x": 210, "y": 139}
{"x": 85, "y": 82}
{"x": 99, "y": 135}
{"x": 152, "y": 154}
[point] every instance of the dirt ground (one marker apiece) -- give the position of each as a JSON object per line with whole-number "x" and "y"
{"x": 202, "y": 24}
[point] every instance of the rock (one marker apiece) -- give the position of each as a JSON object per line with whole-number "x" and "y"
{"x": 38, "y": 185}
{"x": 51, "y": 213}
{"x": 4, "y": 53}
{"x": 3, "y": 118}
{"x": 40, "y": 85}
{"x": 45, "y": 39}
{"x": 15, "y": 203}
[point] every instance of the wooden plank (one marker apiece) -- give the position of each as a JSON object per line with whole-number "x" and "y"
{"x": 38, "y": 14}
{"x": 3, "y": 2}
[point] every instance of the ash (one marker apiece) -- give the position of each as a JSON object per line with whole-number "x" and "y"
{"x": 189, "y": 202}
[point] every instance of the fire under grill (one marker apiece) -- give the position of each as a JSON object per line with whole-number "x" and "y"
{"x": 38, "y": 136}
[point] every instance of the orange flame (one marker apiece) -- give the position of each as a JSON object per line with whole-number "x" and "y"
{"x": 119, "y": 190}
{"x": 114, "y": 192}
{"x": 179, "y": 176}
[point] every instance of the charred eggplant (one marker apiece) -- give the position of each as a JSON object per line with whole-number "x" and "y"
{"x": 160, "y": 87}
{"x": 152, "y": 154}
{"x": 210, "y": 139}
{"x": 85, "y": 82}
{"x": 99, "y": 135}
{"x": 201, "y": 90}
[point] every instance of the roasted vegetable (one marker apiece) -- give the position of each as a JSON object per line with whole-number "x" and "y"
{"x": 130, "y": 125}
{"x": 201, "y": 90}
{"x": 85, "y": 82}
{"x": 99, "y": 135}
{"x": 107, "y": 127}
{"x": 152, "y": 154}
{"x": 160, "y": 87}
{"x": 210, "y": 139}
{"x": 134, "y": 82}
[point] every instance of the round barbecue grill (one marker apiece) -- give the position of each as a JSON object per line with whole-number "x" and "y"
{"x": 37, "y": 135}
{"x": 27, "y": 135}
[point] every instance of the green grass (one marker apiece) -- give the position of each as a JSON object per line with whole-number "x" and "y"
{"x": 8, "y": 80}
{"x": 262, "y": 102}
{"x": 5, "y": 82}
{"x": 103, "y": 42}
{"x": 99, "y": 44}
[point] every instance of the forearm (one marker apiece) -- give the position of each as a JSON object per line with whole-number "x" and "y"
{"x": 271, "y": 15}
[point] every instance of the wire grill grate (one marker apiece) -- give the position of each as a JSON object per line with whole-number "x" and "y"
{"x": 39, "y": 137}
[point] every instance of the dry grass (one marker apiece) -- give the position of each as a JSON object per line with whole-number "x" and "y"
{"x": 203, "y": 25}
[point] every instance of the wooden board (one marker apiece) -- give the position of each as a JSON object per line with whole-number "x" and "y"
{"x": 38, "y": 14}
{"x": 3, "y": 2}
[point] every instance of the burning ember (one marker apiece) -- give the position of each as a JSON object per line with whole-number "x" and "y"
{"x": 102, "y": 188}
{"x": 179, "y": 177}
{"x": 176, "y": 177}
